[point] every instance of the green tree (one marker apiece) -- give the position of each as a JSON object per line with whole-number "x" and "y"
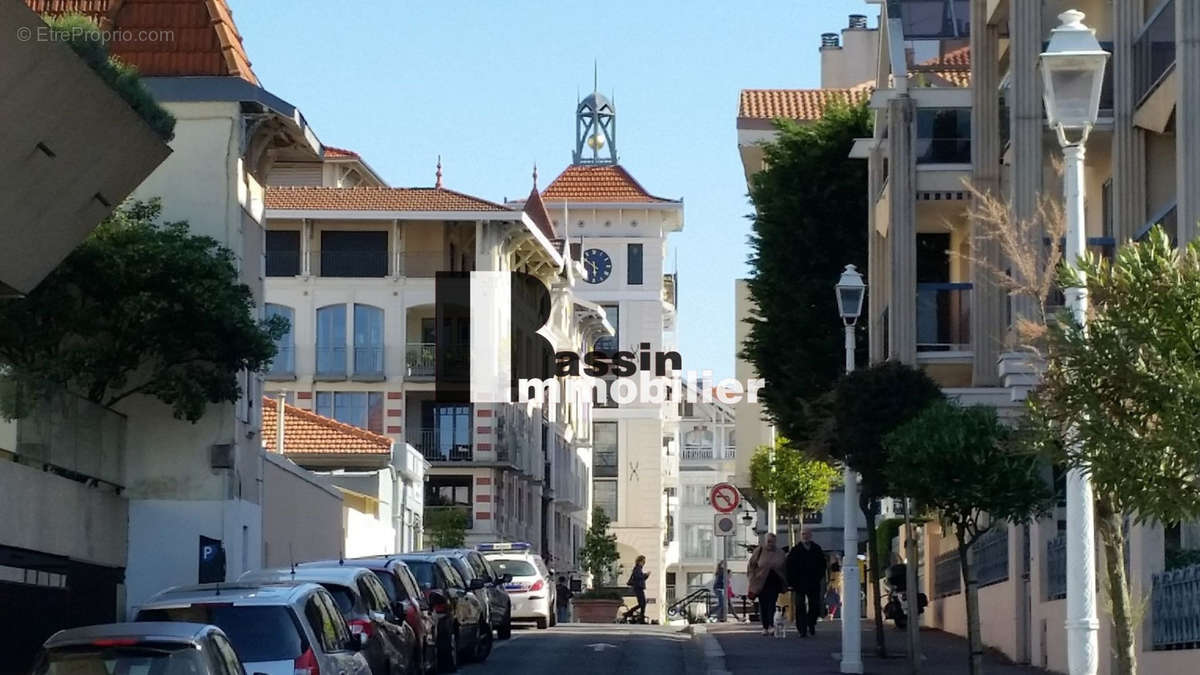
{"x": 796, "y": 482}
{"x": 140, "y": 307}
{"x": 960, "y": 463}
{"x": 1120, "y": 399}
{"x": 867, "y": 405}
{"x": 810, "y": 221}
{"x": 599, "y": 552}
{"x": 446, "y": 527}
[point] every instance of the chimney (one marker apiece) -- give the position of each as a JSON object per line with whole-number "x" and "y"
{"x": 858, "y": 22}
{"x": 829, "y": 40}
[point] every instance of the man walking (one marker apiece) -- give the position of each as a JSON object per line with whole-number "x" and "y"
{"x": 562, "y": 600}
{"x": 637, "y": 579}
{"x": 806, "y": 572}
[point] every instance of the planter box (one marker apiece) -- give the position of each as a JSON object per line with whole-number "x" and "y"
{"x": 596, "y": 611}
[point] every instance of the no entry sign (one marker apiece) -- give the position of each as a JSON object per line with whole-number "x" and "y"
{"x": 724, "y": 498}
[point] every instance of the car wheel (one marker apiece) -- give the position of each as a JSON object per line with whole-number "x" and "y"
{"x": 483, "y": 645}
{"x": 448, "y": 652}
{"x": 542, "y": 623}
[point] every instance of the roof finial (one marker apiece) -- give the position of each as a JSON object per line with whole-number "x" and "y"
{"x": 595, "y": 75}
{"x": 535, "y": 175}
{"x": 439, "y": 172}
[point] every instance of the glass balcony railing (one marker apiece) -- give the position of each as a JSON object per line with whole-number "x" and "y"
{"x": 365, "y": 263}
{"x": 436, "y": 446}
{"x": 943, "y": 150}
{"x": 943, "y": 317}
{"x": 1154, "y": 50}
{"x": 368, "y": 362}
{"x": 283, "y": 263}
{"x": 420, "y": 359}
{"x": 69, "y": 436}
{"x": 331, "y": 361}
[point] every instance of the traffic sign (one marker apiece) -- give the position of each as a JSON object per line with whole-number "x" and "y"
{"x": 724, "y": 525}
{"x": 724, "y": 498}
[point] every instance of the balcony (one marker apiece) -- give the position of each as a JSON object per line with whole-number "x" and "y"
{"x": 1154, "y": 51}
{"x": 420, "y": 359}
{"x": 368, "y": 363}
{"x": 943, "y": 136}
{"x": 432, "y": 513}
{"x": 283, "y": 366}
{"x": 283, "y": 262}
{"x": 357, "y": 264}
{"x": 944, "y": 317}
{"x": 692, "y": 451}
{"x": 436, "y": 446}
{"x": 69, "y": 436}
{"x": 669, "y": 289}
{"x": 331, "y": 362}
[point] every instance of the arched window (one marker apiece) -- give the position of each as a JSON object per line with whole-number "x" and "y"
{"x": 331, "y": 341}
{"x": 368, "y": 342}
{"x": 284, "y": 363}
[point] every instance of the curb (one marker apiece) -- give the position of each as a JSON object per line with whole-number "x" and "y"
{"x": 714, "y": 656}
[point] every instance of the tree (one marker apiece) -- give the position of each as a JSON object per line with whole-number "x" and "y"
{"x": 140, "y": 307}
{"x": 446, "y": 527}
{"x": 867, "y": 405}
{"x": 797, "y": 483}
{"x": 599, "y": 552}
{"x": 810, "y": 221}
{"x": 960, "y": 463}
{"x": 1120, "y": 399}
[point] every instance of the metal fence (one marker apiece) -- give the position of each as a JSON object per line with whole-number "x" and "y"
{"x": 990, "y": 557}
{"x": 1056, "y": 568}
{"x": 947, "y": 576}
{"x": 73, "y": 437}
{"x": 1175, "y": 599}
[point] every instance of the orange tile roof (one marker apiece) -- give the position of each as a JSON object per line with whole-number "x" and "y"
{"x": 307, "y": 433}
{"x": 376, "y": 199}
{"x": 796, "y": 104}
{"x": 597, "y": 183}
{"x": 338, "y": 153}
{"x": 951, "y": 69}
{"x": 198, "y": 37}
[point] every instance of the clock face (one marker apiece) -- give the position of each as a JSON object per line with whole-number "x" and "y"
{"x": 597, "y": 264}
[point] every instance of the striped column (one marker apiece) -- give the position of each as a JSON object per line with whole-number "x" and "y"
{"x": 1025, "y": 120}
{"x": 394, "y": 414}
{"x": 485, "y": 491}
{"x": 1187, "y": 116}
{"x": 902, "y": 231}
{"x": 1129, "y": 141}
{"x": 484, "y": 433}
{"x": 988, "y": 304}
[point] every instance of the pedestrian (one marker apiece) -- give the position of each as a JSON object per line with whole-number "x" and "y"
{"x": 637, "y": 579}
{"x": 832, "y": 600}
{"x": 768, "y": 578}
{"x": 806, "y": 574}
{"x": 562, "y": 600}
{"x": 720, "y": 581}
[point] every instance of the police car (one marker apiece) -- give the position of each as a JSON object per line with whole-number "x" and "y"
{"x": 532, "y": 588}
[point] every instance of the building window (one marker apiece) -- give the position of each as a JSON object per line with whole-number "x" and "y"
{"x": 604, "y": 497}
{"x": 356, "y": 408}
{"x": 610, "y": 343}
{"x": 944, "y": 136}
{"x": 331, "y": 341}
{"x": 448, "y": 491}
{"x": 368, "y": 341}
{"x": 283, "y": 253}
{"x": 935, "y": 18}
{"x": 445, "y": 433}
{"x": 695, "y": 495}
{"x": 604, "y": 444}
{"x": 354, "y": 254}
{"x": 633, "y": 264}
{"x": 284, "y": 363}
{"x": 697, "y": 541}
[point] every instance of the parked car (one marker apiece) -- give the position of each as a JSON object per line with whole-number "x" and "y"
{"x": 461, "y": 614}
{"x": 166, "y": 648}
{"x": 527, "y": 596}
{"x": 276, "y": 629}
{"x": 391, "y": 646}
{"x": 405, "y": 598}
{"x": 499, "y": 605}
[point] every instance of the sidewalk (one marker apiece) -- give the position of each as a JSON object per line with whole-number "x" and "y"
{"x": 748, "y": 652}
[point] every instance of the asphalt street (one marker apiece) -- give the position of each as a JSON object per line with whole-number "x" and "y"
{"x": 584, "y": 649}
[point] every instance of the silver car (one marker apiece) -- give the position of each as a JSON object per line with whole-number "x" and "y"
{"x": 276, "y": 629}
{"x": 163, "y": 648}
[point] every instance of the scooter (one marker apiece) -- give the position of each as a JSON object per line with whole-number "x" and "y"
{"x": 896, "y": 607}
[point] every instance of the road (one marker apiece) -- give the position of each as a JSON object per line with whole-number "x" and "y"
{"x": 587, "y": 649}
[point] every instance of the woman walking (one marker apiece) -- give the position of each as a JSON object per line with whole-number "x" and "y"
{"x": 767, "y": 570}
{"x": 637, "y": 579}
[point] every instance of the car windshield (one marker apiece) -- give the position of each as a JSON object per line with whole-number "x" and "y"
{"x": 423, "y": 571}
{"x": 342, "y": 596}
{"x": 135, "y": 660}
{"x": 258, "y": 633}
{"x": 517, "y": 568}
{"x": 390, "y": 586}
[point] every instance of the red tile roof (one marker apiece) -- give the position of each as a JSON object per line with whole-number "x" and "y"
{"x": 307, "y": 433}
{"x": 795, "y": 104}
{"x": 376, "y": 199}
{"x": 338, "y": 153}
{"x": 196, "y": 37}
{"x": 952, "y": 69}
{"x": 597, "y": 183}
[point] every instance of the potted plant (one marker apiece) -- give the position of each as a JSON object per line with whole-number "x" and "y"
{"x": 599, "y": 556}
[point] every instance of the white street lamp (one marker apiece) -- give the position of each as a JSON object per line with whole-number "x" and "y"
{"x": 1072, "y": 73}
{"x": 850, "y": 291}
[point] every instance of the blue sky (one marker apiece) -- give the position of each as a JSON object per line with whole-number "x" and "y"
{"x": 491, "y": 86}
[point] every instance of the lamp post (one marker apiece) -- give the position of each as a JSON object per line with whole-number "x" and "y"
{"x": 1072, "y": 75}
{"x": 850, "y": 291}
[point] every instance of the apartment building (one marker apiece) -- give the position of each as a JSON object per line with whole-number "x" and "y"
{"x": 933, "y": 301}
{"x": 621, "y": 231}
{"x": 352, "y": 264}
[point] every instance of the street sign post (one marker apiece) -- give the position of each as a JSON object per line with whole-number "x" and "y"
{"x": 724, "y": 497}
